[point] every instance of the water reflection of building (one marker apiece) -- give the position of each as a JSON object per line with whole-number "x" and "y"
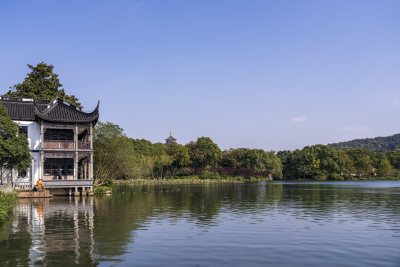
{"x": 70, "y": 236}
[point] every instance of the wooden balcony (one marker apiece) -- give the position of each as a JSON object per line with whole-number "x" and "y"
{"x": 65, "y": 145}
{"x": 83, "y": 144}
{"x": 58, "y": 144}
{"x": 66, "y": 183}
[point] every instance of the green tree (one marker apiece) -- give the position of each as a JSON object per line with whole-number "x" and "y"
{"x": 288, "y": 167}
{"x": 114, "y": 155}
{"x": 315, "y": 162}
{"x": 347, "y": 164}
{"x": 204, "y": 152}
{"x": 233, "y": 158}
{"x": 261, "y": 161}
{"x": 362, "y": 161}
{"x": 42, "y": 83}
{"x": 180, "y": 156}
{"x": 143, "y": 147}
{"x": 162, "y": 163}
{"x": 383, "y": 168}
{"x": 253, "y": 161}
{"x": 14, "y": 147}
{"x": 394, "y": 158}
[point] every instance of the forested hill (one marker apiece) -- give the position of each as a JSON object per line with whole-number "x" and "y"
{"x": 377, "y": 144}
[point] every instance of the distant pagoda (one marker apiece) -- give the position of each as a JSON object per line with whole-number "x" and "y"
{"x": 170, "y": 140}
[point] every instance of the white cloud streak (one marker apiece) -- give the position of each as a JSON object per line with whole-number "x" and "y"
{"x": 300, "y": 119}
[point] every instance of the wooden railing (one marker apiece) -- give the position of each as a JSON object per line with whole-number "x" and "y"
{"x": 22, "y": 185}
{"x": 83, "y": 144}
{"x": 66, "y": 183}
{"x": 58, "y": 144}
{"x": 65, "y": 145}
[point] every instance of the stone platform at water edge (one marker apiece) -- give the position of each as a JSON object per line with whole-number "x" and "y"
{"x": 33, "y": 194}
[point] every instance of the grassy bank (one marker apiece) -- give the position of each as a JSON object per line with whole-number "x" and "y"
{"x": 7, "y": 202}
{"x": 234, "y": 179}
{"x": 372, "y": 178}
{"x": 191, "y": 180}
{"x": 102, "y": 189}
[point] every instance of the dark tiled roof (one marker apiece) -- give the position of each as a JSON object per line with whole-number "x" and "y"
{"x": 21, "y": 110}
{"x": 170, "y": 140}
{"x": 54, "y": 111}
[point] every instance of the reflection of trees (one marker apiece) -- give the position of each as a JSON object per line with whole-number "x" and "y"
{"x": 117, "y": 216}
{"x": 322, "y": 200}
{"x": 134, "y": 207}
{"x": 15, "y": 244}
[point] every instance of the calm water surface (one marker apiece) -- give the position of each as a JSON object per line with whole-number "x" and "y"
{"x": 255, "y": 224}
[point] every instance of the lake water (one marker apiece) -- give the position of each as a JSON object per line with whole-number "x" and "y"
{"x": 254, "y": 224}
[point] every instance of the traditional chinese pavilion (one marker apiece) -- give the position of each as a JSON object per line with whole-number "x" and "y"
{"x": 60, "y": 137}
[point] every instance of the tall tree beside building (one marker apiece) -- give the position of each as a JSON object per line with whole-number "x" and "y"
{"x": 42, "y": 83}
{"x": 114, "y": 154}
{"x": 14, "y": 147}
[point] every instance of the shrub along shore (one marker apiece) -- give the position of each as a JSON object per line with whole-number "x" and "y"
{"x": 230, "y": 179}
{"x": 7, "y": 202}
{"x": 186, "y": 180}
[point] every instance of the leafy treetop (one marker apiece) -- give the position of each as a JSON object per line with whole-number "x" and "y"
{"x": 42, "y": 83}
{"x": 14, "y": 147}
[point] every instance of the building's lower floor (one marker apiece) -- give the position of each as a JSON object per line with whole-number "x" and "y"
{"x": 59, "y": 171}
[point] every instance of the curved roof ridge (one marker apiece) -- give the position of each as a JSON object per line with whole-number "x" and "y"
{"x": 62, "y": 111}
{"x": 95, "y": 110}
{"x": 52, "y": 103}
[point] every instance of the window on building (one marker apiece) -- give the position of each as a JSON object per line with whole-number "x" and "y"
{"x": 22, "y": 174}
{"x": 23, "y": 130}
{"x": 58, "y": 135}
{"x": 52, "y": 166}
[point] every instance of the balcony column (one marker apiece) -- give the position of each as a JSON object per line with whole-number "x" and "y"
{"x": 85, "y": 162}
{"x": 76, "y": 164}
{"x": 91, "y": 166}
{"x": 32, "y": 172}
{"x": 41, "y": 171}
{"x": 76, "y": 136}
{"x": 41, "y": 134}
{"x": 91, "y": 136}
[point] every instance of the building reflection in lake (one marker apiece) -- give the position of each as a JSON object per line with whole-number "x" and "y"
{"x": 59, "y": 228}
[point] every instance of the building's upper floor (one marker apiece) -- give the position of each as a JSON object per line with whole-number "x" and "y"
{"x": 52, "y": 125}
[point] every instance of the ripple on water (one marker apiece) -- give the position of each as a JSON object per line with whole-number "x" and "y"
{"x": 277, "y": 224}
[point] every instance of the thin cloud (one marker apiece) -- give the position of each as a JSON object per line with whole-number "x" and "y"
{"x": 396, "y": 102}
{"x": 300, "y": 119}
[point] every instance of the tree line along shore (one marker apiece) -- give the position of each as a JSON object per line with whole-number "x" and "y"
{"x": 120, "y": 158}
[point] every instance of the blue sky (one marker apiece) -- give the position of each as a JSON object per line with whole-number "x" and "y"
{"x": 258, "y": 74}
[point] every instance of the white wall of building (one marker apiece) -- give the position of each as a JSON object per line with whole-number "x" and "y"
{"x": 35, "y": 146}
{"x": 35, "y": 167}
{"x": 33, "y": 133}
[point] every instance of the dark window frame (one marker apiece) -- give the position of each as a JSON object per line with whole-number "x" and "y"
{"x": 22, "y": 174}
{"x": 59, "y": 135}
{"x": 23, "y": 130}
{"x": 51, "y": 166}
